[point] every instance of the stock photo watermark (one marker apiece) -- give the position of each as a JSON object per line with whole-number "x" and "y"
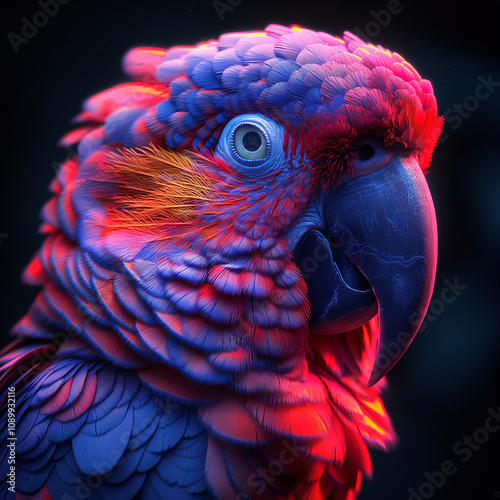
{"x": 11, "y": 439}
{"x": 458, "y": 112}
{"x": 262, "y": 477}
{"x": 449, "y": 293}
{"x": 32, "y": 25}
{"x": 380, "y": 19}
{"x": 70, "y": 153}
{"x": 223, "y": 6}
{"x": 463, "y": 450}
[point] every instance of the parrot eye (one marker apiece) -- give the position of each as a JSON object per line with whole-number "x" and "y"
{"x": 252, "y": 144}
{"x": 370, "y": 155}
{"x": 249, "y": 142}
{"x": 366, "y": 152}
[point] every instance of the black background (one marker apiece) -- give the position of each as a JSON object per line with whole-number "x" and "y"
{"x": 444, "y": 386}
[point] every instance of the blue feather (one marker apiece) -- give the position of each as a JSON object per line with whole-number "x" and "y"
{"x": 144, "y": 426}
{"x": 95, "y": 454}
{"x": 149, "y": 492}
{"x": 169, "y": 432}
{"x": 168, "y": 70}
{"x": 148, "y": 461}
{"x": 107, "y": 423}
{"x": 36, "y": 435}
{"x": 203, "y": 76}
{"x": 61, "y": 450}
{"x": 38, "y": 457}
{"x": 32, "y": 481}
{"x": 127, "y": 467}
{"x": 165, "y": 110}
{"x": 223, "y": 59}
{"x": 126, "y": 490}
{"x": 117, "y": 123}
{"x": 66, "y": 469}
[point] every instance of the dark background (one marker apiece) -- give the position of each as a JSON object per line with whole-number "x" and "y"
{"x": 444, "y": 386}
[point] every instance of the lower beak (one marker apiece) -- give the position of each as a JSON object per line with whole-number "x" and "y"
{"x": 383, "y": 258}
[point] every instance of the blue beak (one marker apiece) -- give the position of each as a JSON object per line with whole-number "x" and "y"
{"x": 379, "y": 254}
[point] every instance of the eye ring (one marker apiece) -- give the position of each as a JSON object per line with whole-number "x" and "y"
{"x": 369, "y": 154}
{"x": 250, "y": 144}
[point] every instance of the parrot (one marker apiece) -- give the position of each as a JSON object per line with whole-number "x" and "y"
{"x": 239, "y": 248}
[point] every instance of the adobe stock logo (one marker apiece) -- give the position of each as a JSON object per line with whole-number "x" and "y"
{"x": 31, "y": 27}
{"x": 456, "y": 114}
{"x": 380, "y": 19}
{"x": 464, "y": 449}
{"x": 223, "y": 6}
{"x": 437, "y": 306}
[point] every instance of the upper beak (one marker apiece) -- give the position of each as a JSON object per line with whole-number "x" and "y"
{"x": 383, "y": 225}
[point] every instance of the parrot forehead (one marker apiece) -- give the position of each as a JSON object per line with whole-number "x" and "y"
{"x": 299, "y": 77}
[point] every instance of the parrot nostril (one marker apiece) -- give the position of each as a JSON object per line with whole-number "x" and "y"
{"x": 366, "y": 152}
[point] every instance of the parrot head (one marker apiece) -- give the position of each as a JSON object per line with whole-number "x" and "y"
{"x": 252, "y": 215}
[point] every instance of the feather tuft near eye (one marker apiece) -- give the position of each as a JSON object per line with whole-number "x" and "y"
{"x": 150, "y": 187}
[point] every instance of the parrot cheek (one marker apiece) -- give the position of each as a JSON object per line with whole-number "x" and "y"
{"x": 379, "y": 254}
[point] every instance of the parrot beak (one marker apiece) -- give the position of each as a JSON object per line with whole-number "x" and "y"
{"x": 383, "y": 257}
